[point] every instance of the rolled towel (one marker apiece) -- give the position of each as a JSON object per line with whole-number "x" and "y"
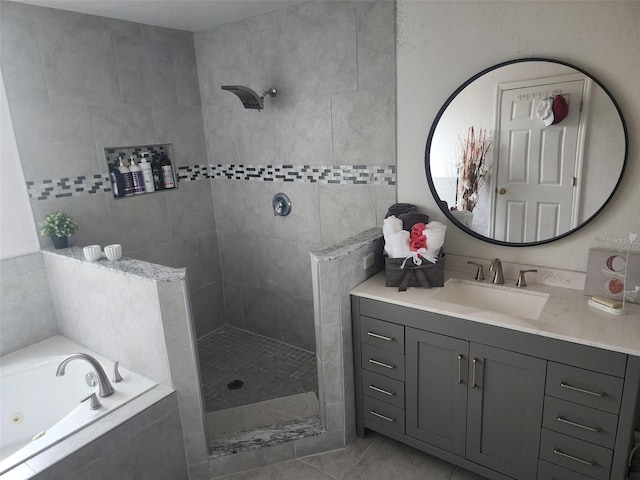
{"x": 411, "y": 218}
{"x": 397, "y": 245}
{"x": 417, "y": 230}
{"x": 435, "y": 232}
{"x": 398, "y": 209}
{"x": 391, "y": 225}
{"x": 418, "y": 242}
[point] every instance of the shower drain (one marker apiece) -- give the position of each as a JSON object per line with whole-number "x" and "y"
{"x": 235, "y": 384}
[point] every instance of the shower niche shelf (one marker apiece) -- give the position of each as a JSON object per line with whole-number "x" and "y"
{"x": 161, "y": 177}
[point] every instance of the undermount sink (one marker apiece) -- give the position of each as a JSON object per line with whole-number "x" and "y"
{"x": 495, "y": 298}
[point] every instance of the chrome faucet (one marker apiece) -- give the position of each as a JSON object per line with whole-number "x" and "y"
{"x": 496, "y": 267}
{"x": 104, "y": 385}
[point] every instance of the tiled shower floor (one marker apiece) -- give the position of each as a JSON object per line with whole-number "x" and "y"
{"x": 268, "y": 368}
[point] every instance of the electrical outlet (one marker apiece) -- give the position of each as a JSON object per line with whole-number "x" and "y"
{"x": 369, "y": 260}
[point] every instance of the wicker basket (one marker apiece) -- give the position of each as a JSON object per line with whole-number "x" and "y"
{"x": 426, "y": 275}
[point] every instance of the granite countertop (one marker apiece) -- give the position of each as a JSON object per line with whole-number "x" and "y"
{"x": 125, "y": 265}
{"x": 566, "y": 315}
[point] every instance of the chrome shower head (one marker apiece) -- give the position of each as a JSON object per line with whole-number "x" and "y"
{"x": 248, "y": 97}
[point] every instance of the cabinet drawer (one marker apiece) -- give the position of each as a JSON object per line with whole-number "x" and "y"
{"x": 382, "y": 334}
{"x": 586, "y": 423}
{"x": 549, "y": 471}
{"x": 384, "y": 362}
{"x": 383, "y": 414}
{"x": 383, "y": 388}
{"x": 577, "y": 455}
{"x": 585, "y": 387}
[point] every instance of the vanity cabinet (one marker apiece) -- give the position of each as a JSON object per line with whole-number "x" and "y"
{"x": 502, "y": 403}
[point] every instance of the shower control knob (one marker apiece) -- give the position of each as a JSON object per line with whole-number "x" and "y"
{"x": 281, "y": 205}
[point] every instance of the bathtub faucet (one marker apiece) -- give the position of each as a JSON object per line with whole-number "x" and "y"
{"x": 103, "y": 381}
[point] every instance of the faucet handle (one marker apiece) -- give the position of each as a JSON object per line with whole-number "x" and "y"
{"x": 479, "y": 272}
{"x": 117, "y": 378}
{"x": 95, "y": 403}
{"x": 521, "y": 282}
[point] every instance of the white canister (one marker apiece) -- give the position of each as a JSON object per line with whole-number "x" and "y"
{"x": 113, "y": 252}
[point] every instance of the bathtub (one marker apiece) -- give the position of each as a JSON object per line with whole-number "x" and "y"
{"x": 38, "y": 409}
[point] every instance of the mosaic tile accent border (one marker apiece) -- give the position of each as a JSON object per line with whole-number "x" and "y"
{"x": 328, "y": 174}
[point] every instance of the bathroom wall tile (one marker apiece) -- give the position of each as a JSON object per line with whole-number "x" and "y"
{"x": 163, "y": 34}
{"x": 145, "y": 71}
{"x": 364, "y": 139}
{"x": 175, "y": 309}
{"x": 332, "y": 371}
{"x": 208, "y": 251}
{"x": 157, "y": 452}
{"x": 208, "y": 308}
{"x": 26, "y": 309}
{"x": 190, "y": 210}
{"x": 159, "y": 410}
{"x": 182, "y": 126}
{"x": 196, "y": 450}
{"x": 183, "y": 366}
{"x": 326, "y": 292}
{"x": 234, "y": 314}
{"x": 90, "y": 214}
{"x": 29, "y": 263}
{"x": 119, "y": 126}
{"x": 75, "y": 45}
{"x": 301, "y": 47}
{"x": 276, "y": 453}
{"x": 334, "y": 417}
{"x": 238, "y": 257}
{"x": 184, "y": 65}
{"x": 305, "y": 133}
{"x": 376, "y": 45}
{"x": 199, "y": 471}
{"x": 385, "y": 197}
{"x": 54, "y": 140}
{"x": 345, "y": 210}
{"x": 284, "y": 266}
{"x": 262, "y": 312}
{"x": 239, "y": 462}
{"x": 297, "y": 324}
{"x": 331, "y": 342}
{"x": 246, "y": 207}
{"x": 191, "y": 413}
{"x": 22, "y": 68}
{"x": 326, "y": 441}
{"x": 140, "y": 221}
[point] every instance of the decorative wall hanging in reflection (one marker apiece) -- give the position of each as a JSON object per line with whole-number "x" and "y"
{"x": 473, "y": 169}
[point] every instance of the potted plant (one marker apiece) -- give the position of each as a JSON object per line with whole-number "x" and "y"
{"x": 58, "y": 226}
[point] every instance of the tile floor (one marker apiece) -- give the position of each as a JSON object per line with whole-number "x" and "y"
{"x": 268, "y": 368}
{"x": 374, "y": 457}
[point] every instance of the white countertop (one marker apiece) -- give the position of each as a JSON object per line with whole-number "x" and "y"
{"x": 566, "y": 315}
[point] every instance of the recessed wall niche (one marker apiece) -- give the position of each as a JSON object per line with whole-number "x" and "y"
{"x": 141, "y": 169}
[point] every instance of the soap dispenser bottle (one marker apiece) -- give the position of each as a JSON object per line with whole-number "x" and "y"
{"x": 126, "y": 176}
{"x": 156, "y": 170}
{"x": 117, "y": 181}
{"x": 136, "y": 176}
{"x": 147, "y": 173}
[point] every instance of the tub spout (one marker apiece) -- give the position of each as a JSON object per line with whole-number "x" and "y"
{"x": 105, "y": 388}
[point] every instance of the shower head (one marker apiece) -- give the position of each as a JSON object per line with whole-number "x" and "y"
{"x": 248, "y": 97}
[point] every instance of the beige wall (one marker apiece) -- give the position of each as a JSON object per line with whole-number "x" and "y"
{"x": 442, "y": 44}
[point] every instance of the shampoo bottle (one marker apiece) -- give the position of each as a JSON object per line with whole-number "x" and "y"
{"x": 167, "y": 171}
{"x": 147, "y": 173}
{"x": 126, "y": 176}
{"x": 156, "y": 169}
{"x": 136, "y": 176}
{"x": 117, "y": 181}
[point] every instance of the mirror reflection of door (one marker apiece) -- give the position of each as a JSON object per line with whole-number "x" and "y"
{"x": 536, "y": 169}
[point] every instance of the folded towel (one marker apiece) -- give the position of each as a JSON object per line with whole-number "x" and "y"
{"x": 411, "y": 218}
{"x": 398, "y": 209}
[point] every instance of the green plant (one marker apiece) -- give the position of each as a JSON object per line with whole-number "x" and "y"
{"x": 58, "y": 224}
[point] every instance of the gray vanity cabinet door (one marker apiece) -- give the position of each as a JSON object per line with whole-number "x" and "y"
{"x": 436, "y": 389}
{"x": 505, "y": 396}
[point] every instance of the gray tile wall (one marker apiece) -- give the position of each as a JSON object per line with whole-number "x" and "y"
{"x": 26, "y": 308}
{"x": 333, "y": 64}
{"x": 78, "y": 83}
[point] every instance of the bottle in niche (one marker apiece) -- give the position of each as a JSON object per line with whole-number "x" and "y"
{"x": 156, "y": 170}
{"x": 147, "y": 173}
{"x": 167, "y": 171}
{"x": 117, "y": 181}
{"x": 136, "y": 176}
{"x": 126, "y": 177}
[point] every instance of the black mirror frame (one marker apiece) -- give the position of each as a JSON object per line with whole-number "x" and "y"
{"x": 443, "y": 205}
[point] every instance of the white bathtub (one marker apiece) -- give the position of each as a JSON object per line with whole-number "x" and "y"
{"x": 38, "y": 409}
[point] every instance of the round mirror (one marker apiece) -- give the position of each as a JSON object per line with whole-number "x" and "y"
{"x": 526, "y": 152}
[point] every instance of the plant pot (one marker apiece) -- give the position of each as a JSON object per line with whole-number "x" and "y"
{"x": 60, "y": 242}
